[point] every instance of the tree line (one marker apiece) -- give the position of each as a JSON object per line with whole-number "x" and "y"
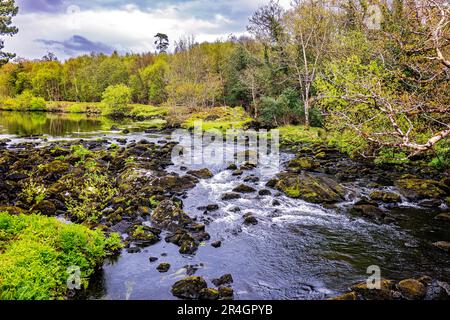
{"x": 375, "y": 73}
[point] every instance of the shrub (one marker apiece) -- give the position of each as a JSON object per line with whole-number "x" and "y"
{"x": 37, "y": 104}
{"x": 116, "y": 98}
{"x": 286, "y": 109}
{"x": 36, "y": 252}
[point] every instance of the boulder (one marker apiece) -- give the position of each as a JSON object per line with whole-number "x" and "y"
{"x": 443, "y": 216}
{"x": 223, "y": 280}
{"x": 303, "y": 163}
{"x": 383, "y": 196}
{"x": 249, "y": 219}
{"x": 311, "y": 188}
{"x": 412, "y": 289}
{"x": 201, "y": 174}
{"x": 384, "y": 293}
{"x": 417, "y": 189}
{"x": 163, "y": 267}
{"x": 368, "y": 211}
{"x": 45, "y": 207}
{"x": 209, "y": 294}
{"x": 169, "y": 216}
{"x": 175, "y": 183}
{"x": 244, "y": 189}
{"x": 189, "y": 288}
{"x": 230, "y": 196}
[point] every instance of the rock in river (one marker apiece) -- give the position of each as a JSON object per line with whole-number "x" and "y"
{"x": 417, "y": 189}
{"x": 189, "y": 288}
{"x": 387, "y": 197}
{"x": 230, "y": 196}
{"x": 169, "y": 216}
{"x": 311, "y": 188}
{"x": 412, "y": 289}
{"x": 244, "y": 189}
{"x": 163, "y": 267}
{"x": 201, "y": 174}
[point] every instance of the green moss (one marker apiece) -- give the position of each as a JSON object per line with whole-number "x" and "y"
{"x": 222, "y": 119}
{"x": 301, "y": 134}
{"x": 36, "y": 252}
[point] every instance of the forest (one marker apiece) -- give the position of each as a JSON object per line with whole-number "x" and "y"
{"x": 379, "y": 91}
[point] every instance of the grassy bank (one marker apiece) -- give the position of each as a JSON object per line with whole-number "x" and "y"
{"x": 98, "y": 108}
{"x": 36, "y": 252}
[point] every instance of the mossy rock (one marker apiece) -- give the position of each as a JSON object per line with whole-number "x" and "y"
{"x": 226, "y": 292}
{"x": 346, "y": 296}
{"x": 168, "y": 215}
{"x": 209, "y": 294}
{"x": 12, "y": 210}
{"x": 417, "y": 189}
{"x": 55, "y": 167}
{"x": 443, "y": 216}
{"x": 201, "y": 174}
{"x": 368, "y": 211}
{"x": 144, "y": 235}
{"x": 242, "y": 188}
{"x": 443, "y": 245}
{"x": 311, "y": 188}
{"x": 188, "y": 247}
{"x": 412, "y": 289}
{"x": 384, "y": 293}
{"x": 304, "y": 163}
{"x": 175, "y": 183}
{"x": 45, "y": 207}
{"x": 189, "y": 288}
{"x": 163, "y": 267}
{"x": 387, "y": 197}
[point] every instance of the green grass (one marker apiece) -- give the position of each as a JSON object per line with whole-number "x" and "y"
{"x": 302, "y": 134}
{"x": 220, "y": 118}
{"x": 36, "y": 252}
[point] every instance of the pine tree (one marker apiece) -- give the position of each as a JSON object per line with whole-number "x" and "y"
{"x": 8, "y": 10}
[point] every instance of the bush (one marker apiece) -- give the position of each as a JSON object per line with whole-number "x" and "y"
{"x": 36, "y": 252}
{"x": 117, "y": 98}
{"x": 37, "y": 104}
{"x": 286, "y": 109}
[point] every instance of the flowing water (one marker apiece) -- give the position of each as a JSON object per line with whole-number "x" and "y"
{"x": 298, "y": 250}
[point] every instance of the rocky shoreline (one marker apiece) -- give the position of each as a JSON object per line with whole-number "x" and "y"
{"x": 123, "y": 187}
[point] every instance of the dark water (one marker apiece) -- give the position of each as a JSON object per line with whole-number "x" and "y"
{"x": 298, "y": 250}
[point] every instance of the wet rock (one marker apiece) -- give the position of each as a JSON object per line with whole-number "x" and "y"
{"x": 384, "y": 293}
{"x": 16, "y": 177}
{"x": 264, "y": 192}
{"x": 235, "y": 209}
{"x": 223, "y": 280}
{"x": 45, "y": 207}
{"x": 153, "y": 259}
{"x": 249, "y": 219}
{"x": 163, "y": 267}
{"x": 430, "y": 203}
{"x": 412, "y": 289}
{"x": 121, "y": 141}
{"x": 303, "y": 163}
{"x": 209, "y": 294}
{"x": 237, "y": 173}
{"x": 417, "y": 189}
{"x": 230, "y": 196}
{"x": 201, "y": 174}
{"x": 383, "y": 196}
{"x": 276, "y": 203}
{"x": 368, "y": 211}
{"x": 244, "y": 189}
{"x": 169, "y": 216}
{"x": 346, "y": 296}
{"x": 232, "y": 167}
{"x": 197, "y": 227}
{"x": 443, "y": 245}
{"x": 126, "y": 131}
{"x": 226, "y": 292}
{"x": 174, "y": 183}
{"x": 144, "y": 235}
{"x": 189, "y": 288}
{"x": 248, "y": 166}
{"x": 114, "y": 128}
{"x": 251, "y": 178}
{"x": 272, "y": 183}
{"x": 12, "y": 210}
{"x": 311, "y": 188}
{"x": 133, "y": 250}
{"x": 216, "y": 244}
{"x": 443, "y": 216}
{"x": 366, "y": 201}
{"x": 212, "y": 207}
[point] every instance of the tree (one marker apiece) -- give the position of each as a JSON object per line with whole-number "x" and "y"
{"x": 162, "y": 42}
{"x": 117, "y": 98}
{"x": 8, "y": 10}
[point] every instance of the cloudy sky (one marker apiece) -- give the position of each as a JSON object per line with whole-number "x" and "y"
{"x": 73, "y": 27}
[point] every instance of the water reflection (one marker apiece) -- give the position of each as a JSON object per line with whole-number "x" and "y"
{"x": 34, "y": 123}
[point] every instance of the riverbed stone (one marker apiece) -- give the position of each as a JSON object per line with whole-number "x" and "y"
{"x": 45, "y": 207}
{"x": 384, "y": 293}
{"x": 311, "y": 188}
{"x": 216, "y": 244}
{"x": 412, "y": 289}
{"x": 249, "y": 219}
{"x": 168, "y": 215}
{"x": 443, "y": 245}
{"x": 368, "y": 211}
{"x": 242, "y": 188}
{"x": 347, "y": 296}
{"x": 226, "y": 279}
{"x": 417, "y": 189}
{"x": 189, "y": 288}
{"x": 209, "y": 294}
{"x": 383, "y": 196}
{"x": 201, "y": 174}
{"x": 443, "y": 216}
{"x": 163, "y": 267}
{"x": 303, "y": 163}
{"x": 230, "y": 196}
{"x": 226, "y": 292}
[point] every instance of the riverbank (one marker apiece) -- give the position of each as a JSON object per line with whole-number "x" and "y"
{"x": 177, "y": 222}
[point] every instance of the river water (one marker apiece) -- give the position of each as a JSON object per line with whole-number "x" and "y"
{"x": 297, "y": 250}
